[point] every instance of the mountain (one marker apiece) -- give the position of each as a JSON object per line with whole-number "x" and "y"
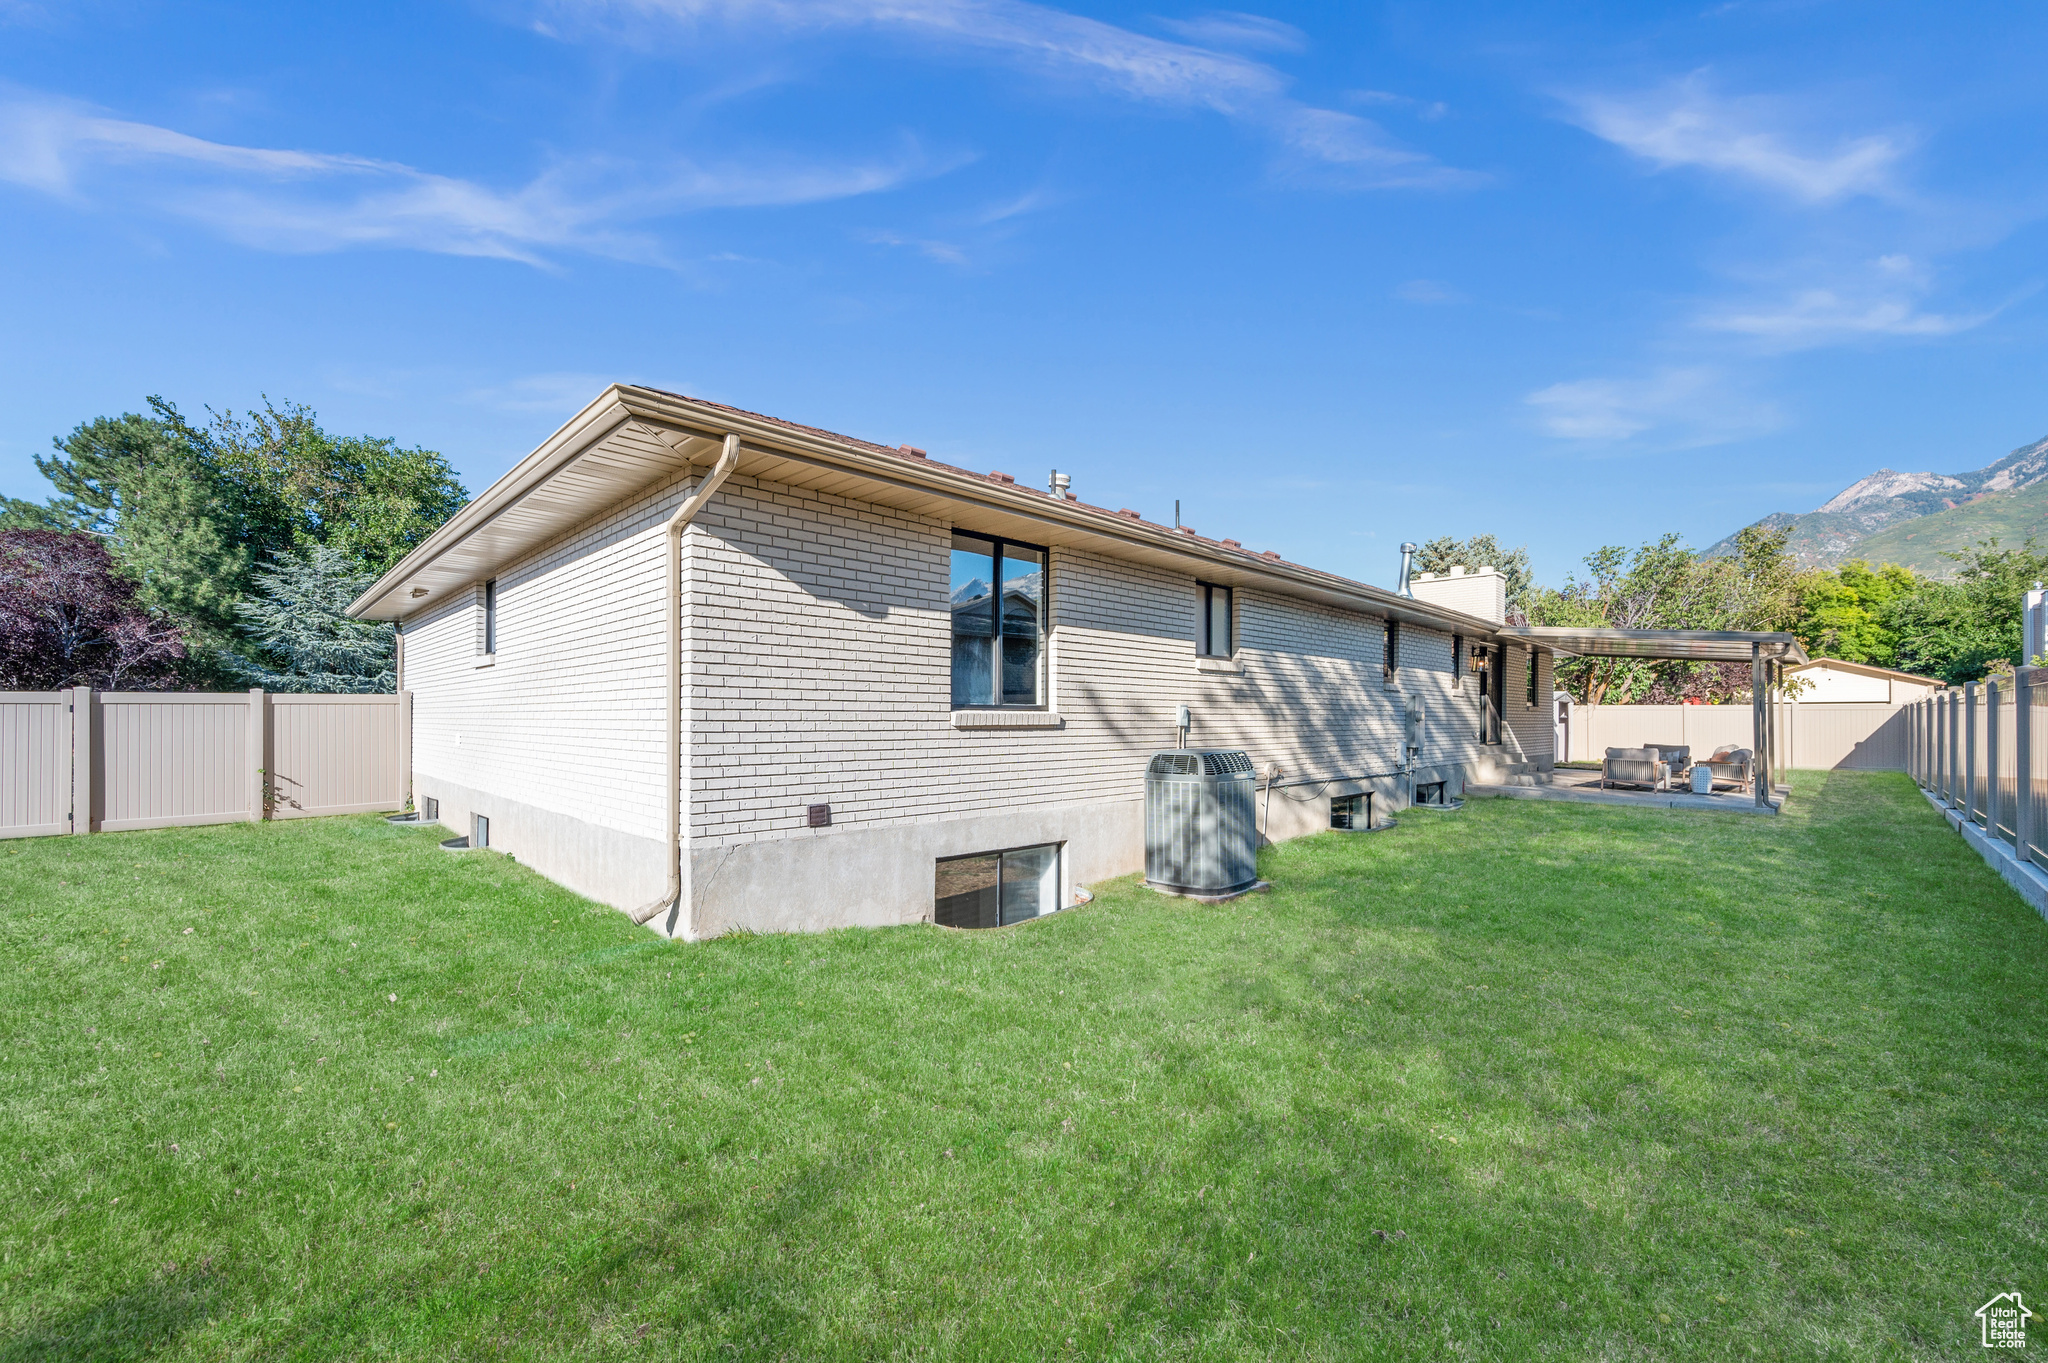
{"x": 1909, "y": 518}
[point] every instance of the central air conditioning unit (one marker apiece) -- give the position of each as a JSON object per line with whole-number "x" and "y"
{"x": 1201, "y": 829}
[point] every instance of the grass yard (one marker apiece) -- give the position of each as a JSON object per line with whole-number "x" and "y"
{"x": 1526, "y": 1080}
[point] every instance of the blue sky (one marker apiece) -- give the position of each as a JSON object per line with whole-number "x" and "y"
{"x": 1331, "y": 275}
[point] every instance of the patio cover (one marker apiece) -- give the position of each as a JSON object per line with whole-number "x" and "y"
{"x": 1766, "y": 653}
{"x": 1677, "y": 645}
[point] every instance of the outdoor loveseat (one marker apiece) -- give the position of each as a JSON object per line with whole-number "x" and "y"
{"x": 1635, "y": 767}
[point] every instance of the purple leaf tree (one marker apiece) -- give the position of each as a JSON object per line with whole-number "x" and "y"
{"x": 68, "y": 619}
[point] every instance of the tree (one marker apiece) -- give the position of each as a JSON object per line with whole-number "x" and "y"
{"x": 1846, "y": 613}
{"x": 68, "y": 619}
{"x": 1962, "y": 630}
{"x": 1440, "y": 555}
{"x": 189, "y": 510}
{"x": 297, "y": 620}
{"x": 1664, "y": 585}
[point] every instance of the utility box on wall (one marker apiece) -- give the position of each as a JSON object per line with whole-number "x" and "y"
{"x": 1201, "y": 826}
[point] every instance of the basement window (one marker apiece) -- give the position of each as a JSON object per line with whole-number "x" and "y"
{"x": 479, "y": 831}
{"x": 996, "y": 889}
{"x": 1352, "y": 813}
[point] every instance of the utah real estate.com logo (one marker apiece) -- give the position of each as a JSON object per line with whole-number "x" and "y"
{"x": 2004, "y": 1319}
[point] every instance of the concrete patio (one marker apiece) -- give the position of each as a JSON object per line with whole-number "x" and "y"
{"x": 1582, "y": 785}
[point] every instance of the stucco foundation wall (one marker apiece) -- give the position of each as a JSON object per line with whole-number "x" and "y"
{"x": 880, "y": 876}
{"x": 622, "y": 869}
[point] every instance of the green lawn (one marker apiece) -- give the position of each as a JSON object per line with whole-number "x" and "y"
{"x": 1525, "y": 1080}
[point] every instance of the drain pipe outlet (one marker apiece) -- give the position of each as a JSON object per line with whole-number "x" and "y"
{"x": 728, "y": 460}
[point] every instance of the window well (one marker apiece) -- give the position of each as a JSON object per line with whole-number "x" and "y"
{"x": 995, "y": 889}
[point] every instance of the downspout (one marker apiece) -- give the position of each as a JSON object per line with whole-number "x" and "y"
{"x": 728, "y": 460}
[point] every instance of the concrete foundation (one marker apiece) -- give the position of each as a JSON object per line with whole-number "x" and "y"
{"x": 606, "y": 865}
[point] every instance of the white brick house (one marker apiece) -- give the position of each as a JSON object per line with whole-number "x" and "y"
{"x": 848, "y": 717}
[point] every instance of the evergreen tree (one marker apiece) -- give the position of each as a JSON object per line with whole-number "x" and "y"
{"x": 296, "y": 619}
{"x": 1481, "y": 551}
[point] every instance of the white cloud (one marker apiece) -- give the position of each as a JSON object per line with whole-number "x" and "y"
{"x": 1349, "y": 149}
{"x": 1686, "y": 124}
{"x": 284, "y": 200}
{"x": 557, "y": 394}
{"x": 1819, "y": 316}
{"x": 945, "y": 252}
{"x": 1428, "y": 291}
{"x": 1681, "y": 408}
{"x": 1240, "y": 32}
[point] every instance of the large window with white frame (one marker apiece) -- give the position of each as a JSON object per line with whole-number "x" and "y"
{"x": 1213, "y": 636}
{"x": 998, "y": 602}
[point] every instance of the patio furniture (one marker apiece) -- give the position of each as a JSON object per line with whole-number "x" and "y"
{"x": 1702, "y": 779}
{"x": 1634, "y": 767}
{"x": 1731, "y": 764}
{"x": 1677, "y": 756}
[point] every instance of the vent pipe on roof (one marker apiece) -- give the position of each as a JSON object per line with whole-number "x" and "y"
{"x": 1407, "y": 570}
{"x": 1058, "y": 484}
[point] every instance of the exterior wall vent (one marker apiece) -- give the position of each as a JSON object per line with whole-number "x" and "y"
{"x": 1201, "y": 831}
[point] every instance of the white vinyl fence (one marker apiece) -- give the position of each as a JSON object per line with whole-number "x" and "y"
{"x": 1852, "y": 736}
{"x": 81, "y": 761}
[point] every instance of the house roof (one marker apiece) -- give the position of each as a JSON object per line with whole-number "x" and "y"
{"x": 1678, "y": 645}
{"x": 610, "y": 452}
{"x": 1866, "y": 670}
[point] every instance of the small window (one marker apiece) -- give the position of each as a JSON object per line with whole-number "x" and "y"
{"x": 480, "y": 831}
{"x": 1390, "y": 660}
{"x": 430, "y": 808}
{"x": 1351, "y": 812}
{"x": 1532, "y": 677}
{"x": 491, "y": 616}
{"x": 998, "y": 649}
{"x": 1430, "y": 793}
{"x": 995, "y": 889}
{"x": 1215, "y": 639}
{"x": 1457, "y": 662}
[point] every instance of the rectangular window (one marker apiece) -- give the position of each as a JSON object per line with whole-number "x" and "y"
{"x": 1351, "y": 812}
{"x": 1532, "y": 677}
{"x": 1215, "y": 639}
{"x": 479, "y": 831}
{"x": 1457, "y": 662}
{"x": 995, "y": 889}
{"x": 491, "y": 616}
{"x": 1390, "y": 660}
{"x": 998, "y": 649}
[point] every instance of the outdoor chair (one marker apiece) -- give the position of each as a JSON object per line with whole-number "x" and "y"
{"x": 1731, "y": 764}
{"x": 1678, "y": 757}
{"x": 1634, "y": 767}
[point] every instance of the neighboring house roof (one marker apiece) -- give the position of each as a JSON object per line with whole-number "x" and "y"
{"x": 610, "y": 452}
{"x": 1866, "y": 670}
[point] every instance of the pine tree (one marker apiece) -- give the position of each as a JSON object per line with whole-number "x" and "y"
{"x": 297, "y": 620}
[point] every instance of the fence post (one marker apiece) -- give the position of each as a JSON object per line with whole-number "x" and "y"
{"x": 81, "y": 759}
{"x": 1970, "y": 721}
{"x": 1955, "y": 746}
{"x": 257, "y": 765}
{"x": 1992, "y": 734}
{"x": 2023, "y": 761}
